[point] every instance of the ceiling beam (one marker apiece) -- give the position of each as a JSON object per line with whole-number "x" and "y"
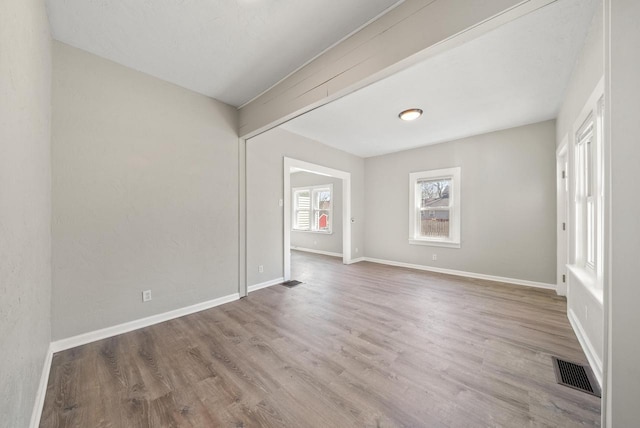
{"x": 406, "y": 35}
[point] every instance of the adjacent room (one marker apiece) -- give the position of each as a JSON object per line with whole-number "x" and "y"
{"x": 374, "y": 213}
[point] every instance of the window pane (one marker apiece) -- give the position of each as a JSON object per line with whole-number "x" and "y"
{"x": 591, "y": 228}
{"x": 322, "y": 220}
{"x": 303, "y": 200}
{"x": 434, "y": 223}
{"x": 323, "y": 199}
{"x": 588, "y": 167}
{"x": 434, "y": 193}
{"x": 302, "y": 213}
{"x": 302, "y": 220}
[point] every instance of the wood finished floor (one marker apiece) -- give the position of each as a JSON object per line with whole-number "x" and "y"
{"x": 363, "y": 345}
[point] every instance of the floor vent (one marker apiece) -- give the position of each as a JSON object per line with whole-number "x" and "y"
{"x": 576, "y": 376}
{"x": 291, "y": 283}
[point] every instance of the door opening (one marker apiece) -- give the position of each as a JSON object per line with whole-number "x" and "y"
{"x": 294, "y": 166}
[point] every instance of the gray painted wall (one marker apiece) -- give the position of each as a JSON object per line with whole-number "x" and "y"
{"x": 623, "y": 63}
{"x": 265, "y": 187}
{"x": 508, "y": 204}
{"x": 25, "y": 205}
{"x": 145, "y": 190}
{"x": 320, "y": 241}
{"x": 587, "y": 72}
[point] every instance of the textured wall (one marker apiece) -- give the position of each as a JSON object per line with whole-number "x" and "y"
{"x": 25, "y": 205}
{"x": 320, "y": 241}
{"x": 265, "y": 183}
{"x": 145, "y": 191}
{"x": 508, "y": 204}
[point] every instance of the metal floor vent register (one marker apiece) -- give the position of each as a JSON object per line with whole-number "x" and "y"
{"x": 576, "y": 376}
{"x": 291, "y": 283}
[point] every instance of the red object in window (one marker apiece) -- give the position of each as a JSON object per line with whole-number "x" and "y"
{"x": 322, "y": 221}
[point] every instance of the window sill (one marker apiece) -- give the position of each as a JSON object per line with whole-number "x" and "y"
{"x": 448, "y": 244}
{"x": 588, "y": 280}
{"x": 312, "y": 231}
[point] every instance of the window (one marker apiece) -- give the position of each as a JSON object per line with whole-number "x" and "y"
{"x": 585, "y": 203}
{"x": 313, "y": 208}
{"x": 588, "y": 191}
{"x": 434, "y": 207}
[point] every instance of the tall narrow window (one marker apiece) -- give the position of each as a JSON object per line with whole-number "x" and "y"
{"x": 434, "y": 209}
{"x": 313, "y": 208}
{"x": 586, "y": 174}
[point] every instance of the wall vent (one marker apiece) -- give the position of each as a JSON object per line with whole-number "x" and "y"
{"x": 291, "y": 283}
{"x": 576, "y": 376}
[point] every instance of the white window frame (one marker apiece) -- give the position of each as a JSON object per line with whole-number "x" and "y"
{"x": 313, "y": 191}
{"x": 415, "y": 196}
{"x": 586, "y": 154}
{"x": 589, "y": 191}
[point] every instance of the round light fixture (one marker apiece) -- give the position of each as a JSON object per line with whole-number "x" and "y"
{"x": 410, "y": 114}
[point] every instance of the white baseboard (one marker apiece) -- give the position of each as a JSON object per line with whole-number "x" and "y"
{"x": 264, "y": 284}
{"x": 587, "y": 346}
{"x": 310, "y": 250}
{"x": 358, "y": 260}
{"x": 561, "y": 289}
{"x": 83, "y": 339}
{"x": 515, "y": 281}
{"x": 42, "y": 390}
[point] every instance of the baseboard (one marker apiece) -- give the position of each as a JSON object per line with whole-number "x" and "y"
{"x": 42, "y": 390}
{"x": 587, "y": 346}
{"x": 310, "y": 250}
{"x": 265, "y": 284}
{"x": 515, "y": 281}
{"x": 358, "y": 260}
{"x": 83, "y": 339}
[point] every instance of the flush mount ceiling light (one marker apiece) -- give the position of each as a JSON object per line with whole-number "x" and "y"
{"x": 410, "y": 114}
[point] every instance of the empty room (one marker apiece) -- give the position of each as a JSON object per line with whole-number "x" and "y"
{"x": 374, "y": 213}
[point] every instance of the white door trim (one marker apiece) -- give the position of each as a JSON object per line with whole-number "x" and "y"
{"x": 346, "y": 207}
{"x": 562, "y": 216}
{"x": 242, "y": 218}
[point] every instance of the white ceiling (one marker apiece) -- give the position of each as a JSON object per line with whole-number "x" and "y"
{"x": 512, "y": 76}
{"x": 228, "y": 50}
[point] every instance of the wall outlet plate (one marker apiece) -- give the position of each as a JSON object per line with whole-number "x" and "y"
{"x": 146, "y": 295}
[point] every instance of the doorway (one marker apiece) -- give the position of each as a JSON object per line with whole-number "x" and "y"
{"x": 294, "y": 166}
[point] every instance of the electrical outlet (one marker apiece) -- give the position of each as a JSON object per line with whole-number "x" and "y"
{"x": 434, "y": 257}
{"x": 146, "y": 295}
{"x": 586, "y": 313}
{"x": 356, "y": 249}
{"x": 280, "y": 202}
{"x": 261, "y": 269}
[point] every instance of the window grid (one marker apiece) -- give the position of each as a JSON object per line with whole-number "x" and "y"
{"x": 434, "y": 214}
{"x": 312, "y": 209}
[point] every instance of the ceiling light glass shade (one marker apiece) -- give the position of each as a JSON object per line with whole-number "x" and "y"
{"x": 411, "y": 114}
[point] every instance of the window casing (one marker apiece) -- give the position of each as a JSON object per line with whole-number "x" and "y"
{"x": 434, "y": 207}
{"x": 585, "y": 201}
{"x": 588, "y": 192}
{"x": 312, "y": 208}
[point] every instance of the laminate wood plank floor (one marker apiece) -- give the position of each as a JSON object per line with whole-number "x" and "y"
{"x": 363, "y": 345}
